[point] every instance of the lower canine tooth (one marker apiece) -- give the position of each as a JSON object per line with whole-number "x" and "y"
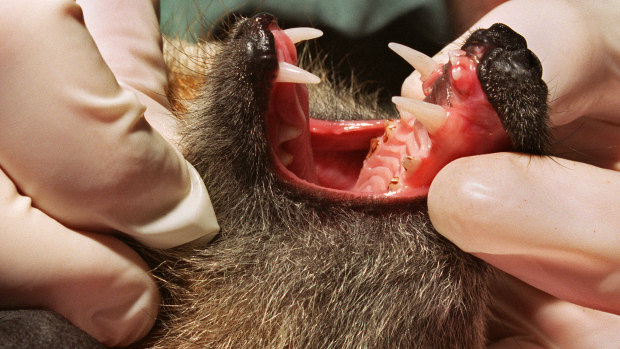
{"x": 432, "y": 116}
{"x": 298, "y": 35}
{"x": 291, "y": 73}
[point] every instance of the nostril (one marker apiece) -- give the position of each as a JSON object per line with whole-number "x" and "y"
{"x": 525, "y": 62}
{"x": 264, "y": 19}
{"x": 534, "y": 62}
{"x": 257, "y": 23}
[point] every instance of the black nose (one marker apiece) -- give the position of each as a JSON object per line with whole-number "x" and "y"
{"x": 254, "y": 45}
{"x": 514, "y": 64}
{"x": 511, "y": 77}
{"x": 498, "y": 35}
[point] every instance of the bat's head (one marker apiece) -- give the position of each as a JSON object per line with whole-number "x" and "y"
{"x": 488, "y": 97}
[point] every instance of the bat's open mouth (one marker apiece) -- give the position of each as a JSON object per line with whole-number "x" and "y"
{"x": 381, "y": 158}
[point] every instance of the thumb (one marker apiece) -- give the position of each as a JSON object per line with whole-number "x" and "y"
{"x": 551, "y": 222}
{"x": 95, "y": 281}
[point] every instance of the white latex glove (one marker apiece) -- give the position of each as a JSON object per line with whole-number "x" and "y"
{"x": 77, "y": 154}
{"x": 553, "y": 223}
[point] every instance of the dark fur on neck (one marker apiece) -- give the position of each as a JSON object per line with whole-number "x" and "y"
{"x": 293, "y": 271}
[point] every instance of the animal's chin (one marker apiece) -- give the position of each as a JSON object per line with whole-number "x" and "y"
{"x": 381, "y": 160}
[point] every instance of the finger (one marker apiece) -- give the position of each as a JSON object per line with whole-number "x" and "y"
{"x": 70, "y": 137}
{"x": 524, "y": 317}
{"x": 95, "y": 281}
{"x": 551, "y": 222}
{"x": 128, "y": 37}
{"x": 552, "y": 28}
{"x": 127, "y": 34}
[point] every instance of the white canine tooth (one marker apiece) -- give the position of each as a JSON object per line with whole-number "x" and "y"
{"x": 432, "y": 116}
{"x": 420, "y": 62}
{"x": 298, "y": 35}
{"x": 292, "y": 73}
{"x": 288, "y": 133}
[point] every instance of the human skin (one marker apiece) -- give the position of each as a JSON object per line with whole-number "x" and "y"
{"x": 88, "y": 150}
{"x": 551, "y": 222}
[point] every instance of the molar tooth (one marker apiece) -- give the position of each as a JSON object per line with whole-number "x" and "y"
{"x": 288, "y": 133}
{"x": 300, "y": 34}
{"x": 453, "y": 58}
{"x": 394, "y": 184}
{"x": 420, "y": 62}
{"x": 291, "y": 73}
{"x": 374, "y": 144}
{"x": 390, "y": 130}
{"x": 285, "y": 158}
{"x": 432, "y": 116}
{"x": 411, "y": 163}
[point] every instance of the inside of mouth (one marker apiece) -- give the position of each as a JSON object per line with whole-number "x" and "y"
{"x": 386, "y": 158}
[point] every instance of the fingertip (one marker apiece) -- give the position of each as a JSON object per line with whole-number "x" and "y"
{"x": 446, "y": 198}
{"x": 130, "y": 318}
{"x": 108, "y": 292}
{"x": 465, "y": 197}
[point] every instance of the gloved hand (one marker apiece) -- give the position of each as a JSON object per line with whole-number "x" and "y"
{"x": 552, "y": 222}
{"x": 79, "y": 160}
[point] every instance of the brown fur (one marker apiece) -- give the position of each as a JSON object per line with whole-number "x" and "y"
{"x": 291, "y": 269}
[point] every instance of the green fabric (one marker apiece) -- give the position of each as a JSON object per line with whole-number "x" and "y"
{"x": 351, "y": 17}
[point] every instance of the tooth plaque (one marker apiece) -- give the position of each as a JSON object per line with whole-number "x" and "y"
{"x": 411, "y": 164}
{"x": 390, "y": 130}
{"x": 374, "y": 144}
{"x": 394, "y": 184}
{"x": 291, "y": 73}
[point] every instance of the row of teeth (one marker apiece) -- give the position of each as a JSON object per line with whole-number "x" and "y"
{"x": 293, "y": 74}
{"x": 432, "y": 116}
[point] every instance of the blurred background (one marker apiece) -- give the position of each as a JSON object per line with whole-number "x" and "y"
{"x": 356, "y": 32}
